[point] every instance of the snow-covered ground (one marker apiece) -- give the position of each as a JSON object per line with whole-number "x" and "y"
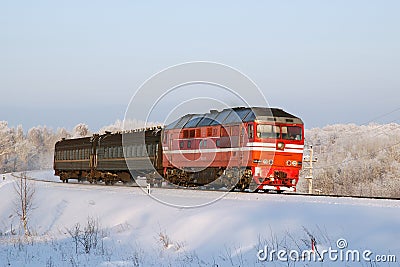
{"x": 234, "y": 229}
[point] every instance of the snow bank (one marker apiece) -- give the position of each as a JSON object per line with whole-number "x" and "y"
{"x": 229, "y": 232}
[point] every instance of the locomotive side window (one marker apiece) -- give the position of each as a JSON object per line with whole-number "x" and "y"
{"x": 224, "y": 131}
{"x": 291, "y": 133}
{"x": 189, "y": 144}
{"x": 215, "y": 132}
{"x": 181, "y": 144}
{"x": 250, "y": 131}
{"x": 198, "y": 133}
{"x": 209, "y": 132}
{"x": 165, "y": 138}
{"x": 268, "y": 131}
{"x": 235, "y": 131}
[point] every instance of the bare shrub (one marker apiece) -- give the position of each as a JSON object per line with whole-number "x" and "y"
{"x": 88, "y": 237}
{"x": 24, "y": 200}
{"x": 164, "y": 239}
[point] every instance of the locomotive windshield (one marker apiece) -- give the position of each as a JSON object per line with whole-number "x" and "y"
{"x": 268, "y": 131}
{"x": 274, "y": 131}
{"x": 291, "y": 133}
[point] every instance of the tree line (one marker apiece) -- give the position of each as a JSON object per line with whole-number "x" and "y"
{"x": 356, "y": 160}
{"x": 352, "y": 160}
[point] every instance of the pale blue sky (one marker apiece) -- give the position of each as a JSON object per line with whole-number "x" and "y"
{"x": 67, "y": 62}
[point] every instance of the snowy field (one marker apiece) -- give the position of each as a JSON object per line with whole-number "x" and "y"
{"x": 134, "y": 229}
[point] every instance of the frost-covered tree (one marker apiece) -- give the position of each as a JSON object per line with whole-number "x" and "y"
{"x": 33, "y": 150}
{"x": 119, "y": 125}
{"x": 356, "y": 160}
{"x": 80, "y": 130}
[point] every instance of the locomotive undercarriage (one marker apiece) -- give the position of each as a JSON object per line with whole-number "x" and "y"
{"x": 211, "y": 178}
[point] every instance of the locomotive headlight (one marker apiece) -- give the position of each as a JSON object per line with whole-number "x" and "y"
{"x": 288, "y": 163}
{"x": 294, "y": 163}
{"x": 280, "y": 146}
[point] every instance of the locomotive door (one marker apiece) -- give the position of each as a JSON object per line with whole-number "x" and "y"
{"x": 242, "y": 143}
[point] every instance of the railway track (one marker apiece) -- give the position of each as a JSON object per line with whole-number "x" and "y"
{"x": 171, "y": 187}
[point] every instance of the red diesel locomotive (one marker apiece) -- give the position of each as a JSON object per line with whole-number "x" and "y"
{"x": 239, "y": 148}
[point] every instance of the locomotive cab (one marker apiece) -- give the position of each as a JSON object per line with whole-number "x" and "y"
{"x": 277, "y": 152}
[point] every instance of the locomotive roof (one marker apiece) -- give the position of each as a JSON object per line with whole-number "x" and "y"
{"x": 234, "y": 116}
